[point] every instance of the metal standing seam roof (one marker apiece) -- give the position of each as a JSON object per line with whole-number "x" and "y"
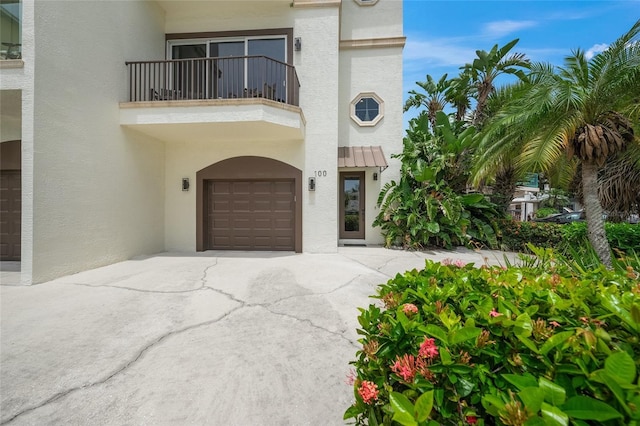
{"x": 361, "y": 156}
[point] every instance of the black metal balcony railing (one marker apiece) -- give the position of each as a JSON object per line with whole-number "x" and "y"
{"x": 213, "y": 78}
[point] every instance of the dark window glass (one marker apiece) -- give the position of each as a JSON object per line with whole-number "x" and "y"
{"x": 367, "y": 109}
{"x": 11, "y": 29}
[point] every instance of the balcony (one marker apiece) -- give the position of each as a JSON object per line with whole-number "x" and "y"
{"x": 244, "y": 97}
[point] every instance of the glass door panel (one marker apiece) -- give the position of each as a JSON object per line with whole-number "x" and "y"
{"x": 230, "y": 67}
{"x": 352, "y": 205}
{"x": 190, "y": 77}
{"x": 266, "y": 78}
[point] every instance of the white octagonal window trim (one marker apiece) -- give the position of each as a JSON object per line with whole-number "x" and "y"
{"x": 367, "y": 109}
{"x": 366, "y": 2}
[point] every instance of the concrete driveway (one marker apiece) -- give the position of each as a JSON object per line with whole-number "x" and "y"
{"x": 218, "y": 338}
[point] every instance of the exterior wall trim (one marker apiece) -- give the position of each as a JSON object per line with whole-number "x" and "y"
{"x": 373, "y": 43}
{"x": 11, "y": 63}
{"x": 316, "y": 3}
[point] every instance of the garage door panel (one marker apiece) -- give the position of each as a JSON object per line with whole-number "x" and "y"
{"x": 283, "y": 206}
{"x": 283, "y": 225}
{"x": 251, "y": 215}
{"x": 240, "y": 206}
{"x": 10, "y": 212}
{"x": 263, "y": 206}
{"x": 283, "y": 187}
{"x": 239, "y": 188}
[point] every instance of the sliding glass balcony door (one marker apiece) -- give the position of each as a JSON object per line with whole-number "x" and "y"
{"x": 237, "y": 68}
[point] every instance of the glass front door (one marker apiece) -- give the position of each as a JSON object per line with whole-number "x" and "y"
{"x": 352, "y": 205}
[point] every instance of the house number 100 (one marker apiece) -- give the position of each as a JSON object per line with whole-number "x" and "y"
{"x": 321, "y": 173}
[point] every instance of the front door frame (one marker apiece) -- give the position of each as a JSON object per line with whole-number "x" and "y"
{"x": 352, "y": 235}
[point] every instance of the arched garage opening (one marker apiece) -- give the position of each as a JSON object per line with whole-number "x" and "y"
{"x": 249, "y": 203}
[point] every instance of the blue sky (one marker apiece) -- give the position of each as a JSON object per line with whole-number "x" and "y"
{"x": 444, "y": 35}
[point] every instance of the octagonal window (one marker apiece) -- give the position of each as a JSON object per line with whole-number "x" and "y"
{"x": 367, "y": 109}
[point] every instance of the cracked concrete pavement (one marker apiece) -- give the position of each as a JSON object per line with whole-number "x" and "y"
{"x": 224, "y": 338}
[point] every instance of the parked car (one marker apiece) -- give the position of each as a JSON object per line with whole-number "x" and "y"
{"x": 563, "y": 218}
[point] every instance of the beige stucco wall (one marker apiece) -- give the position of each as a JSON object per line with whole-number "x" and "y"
{"x": 98, "y": 188}
{"x": 10, "y": 115}
{"x": 226, "y": 15}
{"x": 318, "y": 68}
{"x": 379, "y": 20}
{"x": 185, "y": 159}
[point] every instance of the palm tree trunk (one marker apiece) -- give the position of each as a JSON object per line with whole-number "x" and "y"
{"x": 504, "y": 187}
{"x": 593, "y": 209}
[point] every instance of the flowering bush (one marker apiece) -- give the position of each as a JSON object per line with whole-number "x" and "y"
{"x": 542, "y": 344}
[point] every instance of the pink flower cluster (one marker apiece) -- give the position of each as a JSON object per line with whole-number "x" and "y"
{"x": 428, "y": 349}
{"x": 409, "y": 309}
{"x": 405, "y": 367}
{"x": 448, "y": 262}
{"x": 368, "y": 391}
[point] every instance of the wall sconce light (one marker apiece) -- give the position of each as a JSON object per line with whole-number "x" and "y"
{"x": 297, "y": 44}
{"x": 185, "y": 184}
{"x": 375, "y": 175}
{"x": 312, "y": 184}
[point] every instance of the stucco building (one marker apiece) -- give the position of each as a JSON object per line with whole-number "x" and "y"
{"x": 135, "y": 127}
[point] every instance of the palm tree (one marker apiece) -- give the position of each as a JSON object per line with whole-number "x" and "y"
{"x": 496, "y": 160}
{"x": 484, "y": 70}
{"x": 458, "y": 94}
{"x": 433, "y": 100}
{"x": 585, "y": 110}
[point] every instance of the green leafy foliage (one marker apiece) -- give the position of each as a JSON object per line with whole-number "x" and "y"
{"x": 566, "y": 238}
{"x": 545, "y": 211}
{"x": 428, "y": 206}
{"x": 515, "y": 235}
{"x": 546, "y": 343}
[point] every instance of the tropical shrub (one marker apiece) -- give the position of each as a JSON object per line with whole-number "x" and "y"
{"x": 623, "y": 237}
{"x": 514, "y": 235}
{"x": 547, "y": 343}
{"x": 424, "y": 208}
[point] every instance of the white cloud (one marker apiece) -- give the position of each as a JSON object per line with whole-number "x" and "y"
{"x": 438, "y": 52}
{"x": 502, "y": 28}
{"x": 595, "y": 49}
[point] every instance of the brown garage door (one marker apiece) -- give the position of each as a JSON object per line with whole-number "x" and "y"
{"x": 250, "y": 215}
{"x": 10, "y": 214}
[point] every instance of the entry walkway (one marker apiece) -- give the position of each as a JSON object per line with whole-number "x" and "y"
{"x": 218, "y": 338}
